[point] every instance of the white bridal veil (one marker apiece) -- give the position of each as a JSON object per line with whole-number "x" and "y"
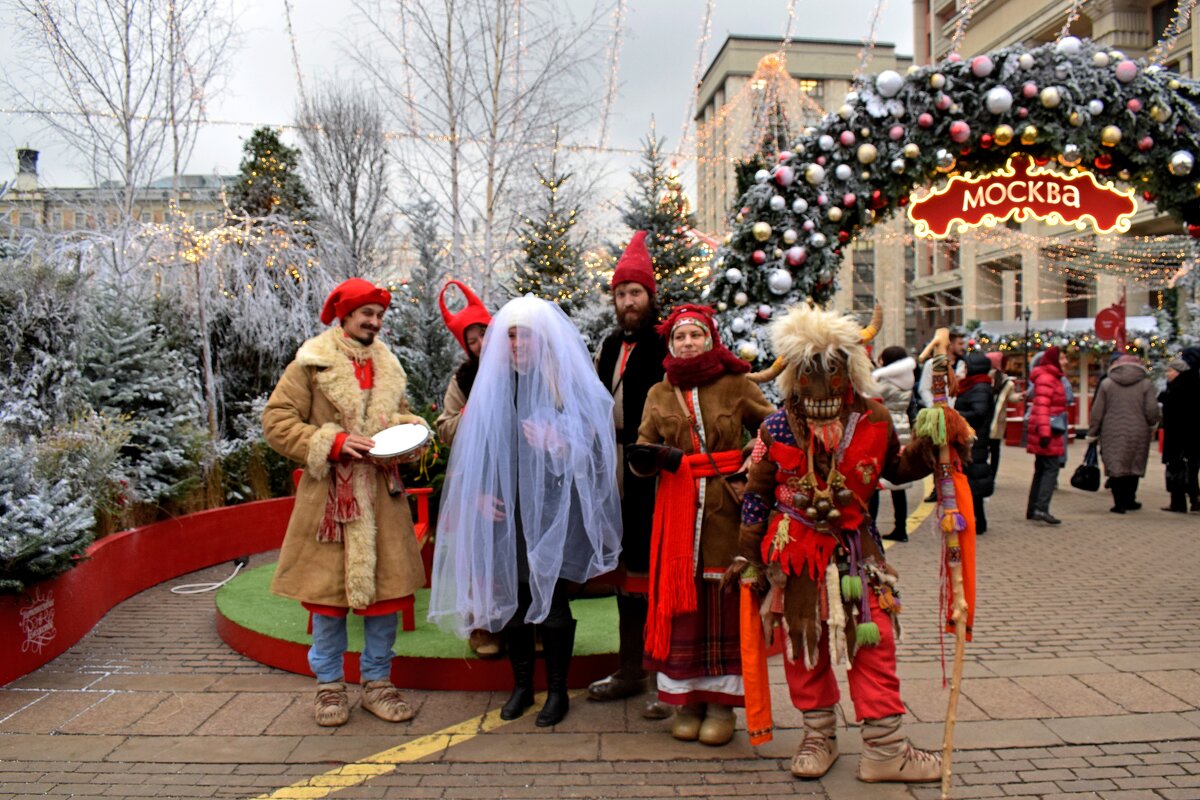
{"x": 532, "y": 470}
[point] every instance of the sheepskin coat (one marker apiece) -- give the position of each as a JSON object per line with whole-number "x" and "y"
{"x": 317, "y": 398}
{"x": 896, "y": 382}
{"x": 1123, "y": 417}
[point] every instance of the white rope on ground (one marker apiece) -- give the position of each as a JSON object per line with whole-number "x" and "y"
{"x": 200, "y": 588}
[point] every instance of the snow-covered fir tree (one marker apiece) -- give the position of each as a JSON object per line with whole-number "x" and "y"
{"x": 659, "y": 206}
{"x": 414, "y": 323}
{"x": 269, "y": 179}
{"x": 131, "y": 373}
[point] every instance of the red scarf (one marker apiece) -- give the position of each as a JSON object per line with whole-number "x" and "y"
{"x": 972, "y": 380}
{"x": 701, "y": 370}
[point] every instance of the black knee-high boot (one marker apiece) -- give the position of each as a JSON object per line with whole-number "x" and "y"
{"x": 519, "y": 640}
{"x": 557, "y": 645}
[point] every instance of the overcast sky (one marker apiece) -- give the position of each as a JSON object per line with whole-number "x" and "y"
{"x": 657, "y": 60}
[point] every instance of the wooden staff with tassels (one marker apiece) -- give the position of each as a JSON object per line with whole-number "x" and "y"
{"x": 956, "y": 518}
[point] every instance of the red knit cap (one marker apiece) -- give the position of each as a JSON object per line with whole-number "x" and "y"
{"x": 474, "y": 313}
{"x": 997, "y": 359}
{"x": 350, "y": 294}
{"x": 635, "y": 265}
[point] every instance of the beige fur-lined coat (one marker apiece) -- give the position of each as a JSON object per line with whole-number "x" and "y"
{"x": 317, "y": 398}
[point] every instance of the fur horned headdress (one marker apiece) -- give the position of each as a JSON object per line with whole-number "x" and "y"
{"x": 807, "y": 333}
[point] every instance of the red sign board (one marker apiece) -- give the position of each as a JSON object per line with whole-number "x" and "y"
{"x": 1110, "y": 323}
{"x": 1024, "y": 191}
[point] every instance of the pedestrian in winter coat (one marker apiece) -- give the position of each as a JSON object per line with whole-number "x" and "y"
{"x": 468, "y": 327}
{"x": 1046, "y": 432}
{"x": 976, "y": 405}
{"x": 350, "y": 542}
{"x": 896, "y": 377}
{"x": 1004, "y": 390}
{"x": 630, "y": 363}
{"x": 1123, "y": 417}
{"x": 1181, "y": 429}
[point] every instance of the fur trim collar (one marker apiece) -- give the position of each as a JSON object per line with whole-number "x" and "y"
{"x": 366, "y": 413}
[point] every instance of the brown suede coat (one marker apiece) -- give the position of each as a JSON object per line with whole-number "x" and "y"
{"x": 317, "y": 398}
{"x": 729, "y": 405}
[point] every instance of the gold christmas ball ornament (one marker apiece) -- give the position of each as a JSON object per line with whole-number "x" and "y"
{"x": 911, "y": 150}
{"x": 1172, "y": 84}
{"x": 1110, "y": 136}
{"x": 937, "y": 80}
{"x": 1075, "y": 119}
{"x": 1160, "y": 114}
{"x": 728, "y": 238}
{"x": 834, "y": 214}
{"x": 761, "y": 231}
{"x": 1003, "y": 135}
{"x": 1196, "y": 189}
{"x": 1029, "y": 134}
{"x": 867, "y": 153}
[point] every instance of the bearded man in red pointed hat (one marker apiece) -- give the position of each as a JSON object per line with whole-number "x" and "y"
{"x": 630, "y": 363}
{"x": 350, "y": 543}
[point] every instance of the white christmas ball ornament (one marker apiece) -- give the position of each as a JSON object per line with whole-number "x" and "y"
{"x": 1071, "y": 155}
{"x": 898, "y": 166}
{"x": 1181, "y": 163}
{"x": 1100, "y": 59}
{"x": 888, "y": 83}
{"x": 1025, "y": 61}
{"x": 740, "y": 299}
{"x": 784, "y": 175}
{"x": 799, "y": 205}
{"x": 762, "y": 176}
{"x": 1068, "y": 45}
{"x": 790, "y": 236}
{"x": 999, "y": 100}
{"x": 738, "y": 325}
{"x": 733, "y": 275}
{"x": 722, "y": 306}
{"x": 1095, "y": 107}
{"x": 747, "y": 351}
{"x": 843, "y": 172}
{"x": 796, "y": 256}
{"x": 825, "y": 142}
{"x": 818, "y": 240}
{"x": 777, "y": 203}
{"x": 779, "y": 281}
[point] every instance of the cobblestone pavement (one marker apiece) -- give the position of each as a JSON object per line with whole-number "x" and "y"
{"x": 1083, "y": 682}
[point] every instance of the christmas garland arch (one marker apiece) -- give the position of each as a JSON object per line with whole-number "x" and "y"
{"x": 1069, "y": 101}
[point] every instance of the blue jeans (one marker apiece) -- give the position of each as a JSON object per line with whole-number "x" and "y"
{"x": 329, "y": 645}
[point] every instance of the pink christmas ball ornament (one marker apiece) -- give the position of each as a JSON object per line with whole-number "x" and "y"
{"x": 1134, "y": 105}
{"x": 846, "y": 138}
{"x": 896, "y": 133}
{"x": 1029, "y": 90}
{"x": 1126, "y": 71}
{"x": 796, "y": 256}
{"x": 960, "y": 131}
{"x": 925, "y": 120}
{"x": 849, "y": 199}
{"x": 982, "y": 66}
{"x": 759, "y": 257}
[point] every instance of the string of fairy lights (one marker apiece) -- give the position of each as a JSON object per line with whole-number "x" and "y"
{"x": 1072, "y": 15}
{"x": 1178, "y": 24}
{"x": 614, "y": 63}
{"x": 697, "y": 70}
{"x": 868, "y": 49}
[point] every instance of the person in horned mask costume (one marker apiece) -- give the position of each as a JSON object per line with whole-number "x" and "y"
{"x": 807, "y": 542}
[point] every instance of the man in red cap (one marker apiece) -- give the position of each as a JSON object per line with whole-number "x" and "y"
{"x": 350, "y": 542}
{"x": 629, "y": 363}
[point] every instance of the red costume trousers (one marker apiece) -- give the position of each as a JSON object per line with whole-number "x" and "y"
{"x": 874, "y": 687}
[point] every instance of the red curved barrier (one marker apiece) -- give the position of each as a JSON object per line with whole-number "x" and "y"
{"x": 50, "y": 617}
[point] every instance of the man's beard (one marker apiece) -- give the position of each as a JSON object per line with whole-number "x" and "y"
{"x": 631, "y": 321}
{"x": 366, "y": 338}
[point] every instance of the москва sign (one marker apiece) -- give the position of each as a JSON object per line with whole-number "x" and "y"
{"x": 1024, "y": 191}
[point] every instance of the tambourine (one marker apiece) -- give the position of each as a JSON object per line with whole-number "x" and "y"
{"x": 400, "y": 442}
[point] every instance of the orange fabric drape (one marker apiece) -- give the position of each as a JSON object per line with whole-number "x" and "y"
{"x": 966, "y": 544}
{"x": 755, "y": 683}
{"x": 672, "y": 554}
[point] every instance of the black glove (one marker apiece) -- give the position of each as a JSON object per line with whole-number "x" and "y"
{"x": 649, "y": 459}
{"x": 1044, "y": 442}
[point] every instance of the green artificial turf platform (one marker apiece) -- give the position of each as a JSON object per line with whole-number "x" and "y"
{"x": 274, "y": 630}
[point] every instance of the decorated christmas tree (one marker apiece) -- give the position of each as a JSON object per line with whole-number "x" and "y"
{"x": 269, "y": 179}
{"x": 659, "y": 206}
{"x": 1070, "y": 106}
{"x": 552, "y": 266}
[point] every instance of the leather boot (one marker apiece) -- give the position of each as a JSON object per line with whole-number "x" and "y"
{"x": 888, "y": 756}
{"x": 630, "y": 677}
{"x": 557, "y": 646}
{"x": 520, "y": 656}
{"x": 818, "y": 749}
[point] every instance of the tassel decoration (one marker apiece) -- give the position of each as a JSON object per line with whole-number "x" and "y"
{"x": 851, "y": 587}
{"x": 866, "y": 633}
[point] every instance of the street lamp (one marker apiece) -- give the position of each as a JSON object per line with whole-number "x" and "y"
{"x": 1026, "y": 314}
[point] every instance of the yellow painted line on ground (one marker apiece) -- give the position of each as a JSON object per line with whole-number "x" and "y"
{"x": 918, "y": 516}
{"x": 359, "y": 772}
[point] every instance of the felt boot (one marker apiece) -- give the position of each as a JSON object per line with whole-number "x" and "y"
{"x": 557, "y": 645}
{"x": 519, "y": 640}
{"x": 384, "y": 700}
{"x": 818, "y": 749}
{"x": 717, "y": 728}
{"x": 688, "y": 719}
{"x": 331, "y": 707}
{"x": 888, "y": 756}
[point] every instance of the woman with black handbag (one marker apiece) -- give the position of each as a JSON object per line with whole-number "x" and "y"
{"x": 1046, "y": 432}
{"x": 1123, "y": 417}
{"x": 1181, "y": 431}
{"x": 976, "y": 404}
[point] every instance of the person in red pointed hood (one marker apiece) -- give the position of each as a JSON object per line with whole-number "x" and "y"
{"x": 468, "y": 327}
{"x": 630, "y": 362}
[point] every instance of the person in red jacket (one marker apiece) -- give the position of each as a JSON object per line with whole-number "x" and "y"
{"x": 1047, "y": 429}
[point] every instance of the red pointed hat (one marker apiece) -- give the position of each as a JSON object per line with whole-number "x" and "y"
{"x": 635, "y": 265}
{"x": 475, "y": 312}
{"x": 351, "y": 294}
